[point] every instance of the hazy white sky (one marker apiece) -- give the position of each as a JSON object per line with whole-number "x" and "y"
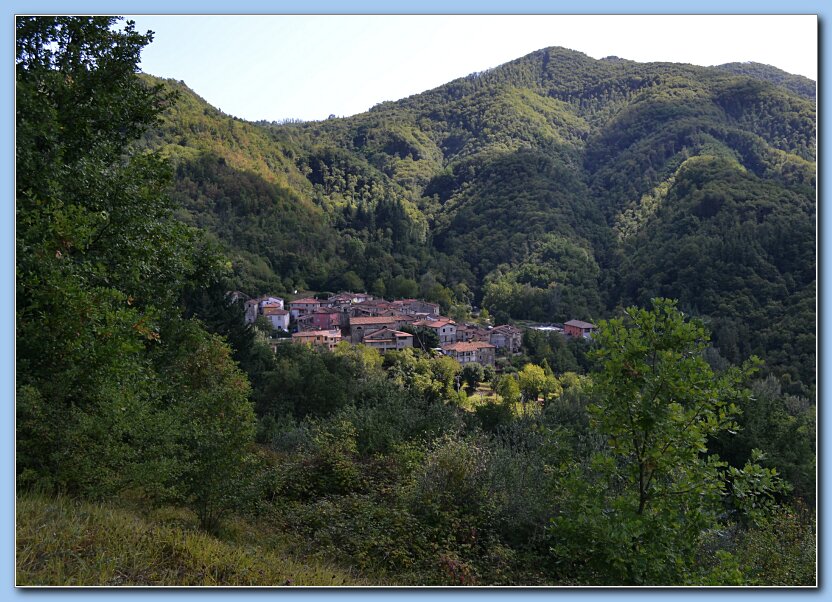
{"x": 308, "y": 67}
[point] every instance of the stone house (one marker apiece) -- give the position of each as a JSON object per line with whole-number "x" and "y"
{"x": 473, "y": 351}
{"x": 325, "y": 338}
{"x": 362, "y": 326}
{"x": 303, "y": 307}
{"x": 387, "y": 339}
{"x": 506, "y": 337}
{"x": 414, "y": 307}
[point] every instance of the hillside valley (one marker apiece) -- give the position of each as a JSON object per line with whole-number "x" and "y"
{"x": 553, "y": 187}
{"x": 551, "y": 324}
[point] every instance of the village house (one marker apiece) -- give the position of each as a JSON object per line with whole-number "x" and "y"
{"x": 577, "y": 328}
{"x": 253, "y": 308}
{"x": 444, "y": 328}
{"x": 369, "y": 308}
{"x": 362, "y": 326}
{"x": 413, "y": 307}
{"x": 387, "y": 339}
{"x": 303, "y": 307}
{"x": 325, "y": 338}
{"x": 268, "y": 301}
{"x": 326, "y": 318}
{"x": 506, "y": 337}
{"x": 474, "y": 351}
{"x": 347, "y": 298}
{"x": 471, "y": 332}
{"x": 278, "y": 317}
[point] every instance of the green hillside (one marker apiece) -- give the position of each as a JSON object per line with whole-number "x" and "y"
{"x": 161, "y": 439}
{"x": 462, "y": 185}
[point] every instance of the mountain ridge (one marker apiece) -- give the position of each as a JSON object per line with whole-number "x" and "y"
{"x": 459, "y": 188}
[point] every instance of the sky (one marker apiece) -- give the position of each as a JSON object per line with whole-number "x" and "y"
{"x": 276, "y": 67}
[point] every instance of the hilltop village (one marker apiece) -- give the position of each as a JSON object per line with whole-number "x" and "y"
{"x": 360, "y": 318}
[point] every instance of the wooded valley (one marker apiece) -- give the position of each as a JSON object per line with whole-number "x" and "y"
{"x": 672, "y": 205}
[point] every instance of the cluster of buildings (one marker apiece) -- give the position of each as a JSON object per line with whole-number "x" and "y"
{"x": 361, "y": 318}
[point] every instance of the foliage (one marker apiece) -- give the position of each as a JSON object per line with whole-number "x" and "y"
{"x": 472, "y": 375}
{"x": 100, "y": 258}
{"x": 509, "y": 389}
{"x": 655, "y": 491}
{"x": 781, "y": 550}
{"x": 209, "y": 399}
{"x": 782, "y": 427}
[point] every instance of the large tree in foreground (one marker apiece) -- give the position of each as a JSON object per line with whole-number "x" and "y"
{"x": 640, "y": 513}
{"x": 101, "y": 268}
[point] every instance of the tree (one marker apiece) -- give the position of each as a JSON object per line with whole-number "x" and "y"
{"x": 101, "y": 261}
{"x": 424, "y": 338}
{"x": 532, "y": 381}
{"x": 639, "y": 514}
{"x": 402, "y": 287}
{"x": 659, "y": 400}
{"x": 209, "y": 399}
{"x": 508, "y": 389}
{"x": 472, "y": 375}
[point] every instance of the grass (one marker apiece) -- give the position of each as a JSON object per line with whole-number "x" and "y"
{"x": 61, "y": 541}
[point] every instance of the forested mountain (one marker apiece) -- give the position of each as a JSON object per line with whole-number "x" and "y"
{"x": 161, "y": 439}
{"x": 555, "y": 186}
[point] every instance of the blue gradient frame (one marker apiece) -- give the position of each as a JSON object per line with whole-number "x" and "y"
{"x": 368, "y": 7}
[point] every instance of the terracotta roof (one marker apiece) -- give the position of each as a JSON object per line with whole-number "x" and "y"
{"x": 387, "y": 333}
{"x": 274, "y": 311}
{"x": 376, "y": 320}
{"x": 435, "y": 323}
{"x": 579, "y": 324}
{"x": 306, "y": 301}
{"x": 327, "y": 310}
{"x": 316, "y": 333}
{"x": 471, "y": 346}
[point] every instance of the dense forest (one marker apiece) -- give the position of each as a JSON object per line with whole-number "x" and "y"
{"x": 671, "y": 204}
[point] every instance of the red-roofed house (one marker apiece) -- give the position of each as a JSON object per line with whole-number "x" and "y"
{"x": 471, "y": 332}
{"x": 372, "y": 307}
{"x": 362, "y": 326}
{"x": 255, "y": 307}
{"x": 278, "y": 316}
{"x": 444, "y": 328}
{"x": 303, "y": 307}
{"x": 326, "y": 318}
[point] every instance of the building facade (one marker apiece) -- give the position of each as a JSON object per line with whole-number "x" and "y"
{"x": 577, "y": 328}
{"x": 473, "y": 351}
{"x": 387, "y": 339}
{"x": 325, "y": 338}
